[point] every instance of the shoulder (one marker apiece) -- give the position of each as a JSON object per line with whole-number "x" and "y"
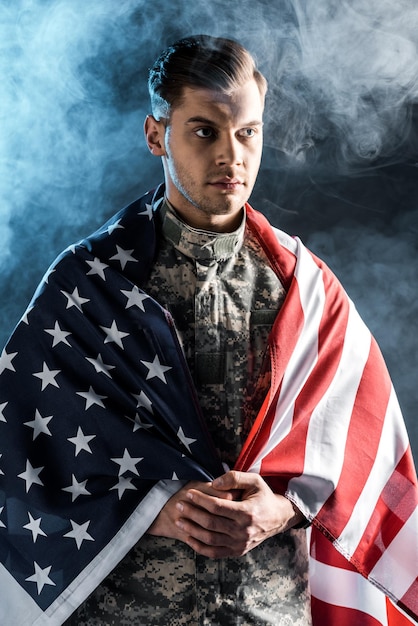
{"x": 126, "y": 243}
{"x": 259, "y": 223}
{"x": 286, "y": 240}
{"x": 132, "y": 219}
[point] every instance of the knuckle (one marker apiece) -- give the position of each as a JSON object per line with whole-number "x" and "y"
{"x": 246, "y": 519}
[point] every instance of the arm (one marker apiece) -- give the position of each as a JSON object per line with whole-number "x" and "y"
{"x": 228, "y": 517}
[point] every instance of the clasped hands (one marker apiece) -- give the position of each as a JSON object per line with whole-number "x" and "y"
{"x": 227, "y": 517}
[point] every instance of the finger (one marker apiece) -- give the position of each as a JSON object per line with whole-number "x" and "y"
{"x": 213, "y": 544}
{"x": 215, "y": 552}
{"x": 207, "y": 520}
{"x": 238, "y": 480}
{"x": 205, "y": 536}
{"x": 214, "y": 505}
{"x": 217, "y": 546}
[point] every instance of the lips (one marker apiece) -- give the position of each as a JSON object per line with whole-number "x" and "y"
{"x": 227, "y": 183}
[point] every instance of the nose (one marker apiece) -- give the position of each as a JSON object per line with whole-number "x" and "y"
{"x": 229, "y": 150}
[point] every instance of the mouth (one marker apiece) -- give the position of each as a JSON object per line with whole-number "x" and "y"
{"x": 227, "y": 184}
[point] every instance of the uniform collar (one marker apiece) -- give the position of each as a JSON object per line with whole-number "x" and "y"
{"x": 200, "y": 244}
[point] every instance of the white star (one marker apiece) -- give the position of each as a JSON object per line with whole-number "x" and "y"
{"x": 174, "y": 476}
{"x": 79, "y": 533}
{"x": 156, "y": 369}
{"x": 135, "y": 298}
{"x": 77, "y": 489}
{"x": 123, "y": 256}
{"x": 31, "y": 476}
{"x": 47, "y": 376}
{"x": 59, "y": 335}
{"x": 91, "y": 397}
{"x": 35, "y": 527}
{"x": 74, "y": 299}
{"x": 6, "y": 361}
{"x": 99, "y": 366}
{"x": 138, "y": 423}
{"x": 2, "y": 407}
{"x": 127, "y": 463}
{"x": 186, "y": 441}
{"x": 114, "y": 334}
{"x": 123, "y": 484}
{"x": 143, "y": 401}
{"x": 39, "y": 424}
{"x": 147, "y": 212}
{"x": 81, "y": 441}
{"x": 1, "y": 472}
{"x": 97, "y": 267}
{"x": 114, "y": 226}
{"x": 1, "y": 523}
{"x": 40, "y": 577}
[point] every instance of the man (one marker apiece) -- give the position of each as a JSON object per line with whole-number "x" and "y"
{"x": 208, "y": 133}
{"x": 220, "y": 546}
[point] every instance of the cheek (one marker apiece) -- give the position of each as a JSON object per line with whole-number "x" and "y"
{"x": 254, "y": 161}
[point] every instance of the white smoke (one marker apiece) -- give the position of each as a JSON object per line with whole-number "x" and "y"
{"x": 341, "y": 138}
{"x": 347, "y": 75}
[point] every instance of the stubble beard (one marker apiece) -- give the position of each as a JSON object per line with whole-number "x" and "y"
{"x": 225, "y": 204}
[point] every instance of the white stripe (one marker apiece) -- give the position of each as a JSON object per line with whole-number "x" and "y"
{"x": 87, "y": 581}
{"x": 17, "y": 607}
{"x": 396, "y": 568}
{"x": 330, "y": 421}
{"x": 305, "y": 354}
{"x": 388, "y": 455}
{"x": 347, "y": 589}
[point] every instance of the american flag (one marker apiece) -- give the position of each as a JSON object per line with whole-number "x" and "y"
{"x": 99, "y": 423}
{"x": 331, "y": 436}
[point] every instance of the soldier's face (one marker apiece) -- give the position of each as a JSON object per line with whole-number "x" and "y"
{"x": 211, "y": 151}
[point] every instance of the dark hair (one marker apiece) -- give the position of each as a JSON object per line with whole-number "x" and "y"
{"x": 200, "y": 61}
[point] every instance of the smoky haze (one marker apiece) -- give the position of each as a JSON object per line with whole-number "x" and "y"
{"x": 340, "y": 161}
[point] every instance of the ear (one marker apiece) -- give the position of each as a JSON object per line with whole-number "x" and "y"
{"x": 154, "y": 135}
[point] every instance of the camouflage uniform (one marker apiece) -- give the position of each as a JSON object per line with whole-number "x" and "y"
{"x": 224, "y": 297}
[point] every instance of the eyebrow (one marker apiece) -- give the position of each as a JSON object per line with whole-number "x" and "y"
{"x": 204, "y": 120}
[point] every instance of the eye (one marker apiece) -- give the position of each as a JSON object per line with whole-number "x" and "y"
{"x": 247, "y": 133}
{"x": 204, "y": 132}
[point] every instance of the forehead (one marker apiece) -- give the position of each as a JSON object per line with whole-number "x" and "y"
{"x": 242, "y": 105}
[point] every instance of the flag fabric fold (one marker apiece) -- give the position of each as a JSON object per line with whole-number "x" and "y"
{"x": 100, "y": 425}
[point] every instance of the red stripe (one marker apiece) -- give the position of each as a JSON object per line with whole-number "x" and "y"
{"x": 324, "y": 614}
{"x": 283, "y": 339}
{"x": 287, "y": 459}
{"x": 330, "y": 345}
{"x": 394, "y": 506}
{"x": 363, "y": 434}
{"x": 257, "y": 438}
{"x": 323, "y": 551}
{"x": 409, "y": 601}
{"x": 364, "y": 431}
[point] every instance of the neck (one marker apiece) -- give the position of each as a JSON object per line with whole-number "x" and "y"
{"x": 209, "y": 222}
